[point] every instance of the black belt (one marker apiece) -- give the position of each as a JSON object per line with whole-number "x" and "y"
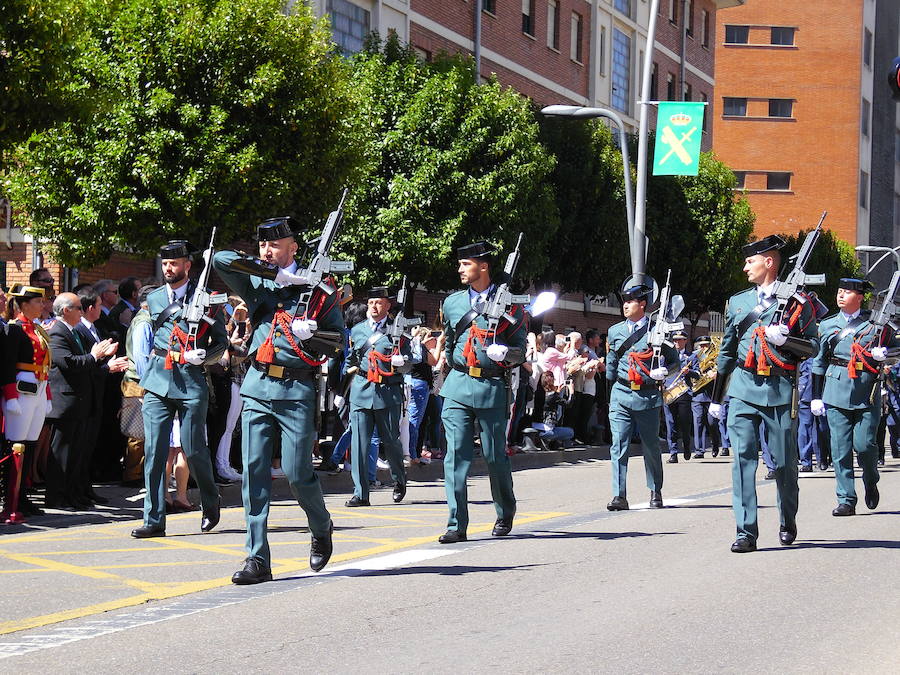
{"x": 477, "y": 371}
{"x": 838, "y": 361}
{"x": 176, "y": 356}
{"x": 773, "y": 371}
{"x": 637, "y": 387}
{"x": 283, "y": 372}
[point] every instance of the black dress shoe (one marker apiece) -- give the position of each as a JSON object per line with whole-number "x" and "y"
{"x": 880, "y": 461}
{"x": 502, "y": 527}
{"x": 452, "y": 537}
{"x": 743, "y": 545}
{"x": 254, "y": 571}
{"x": 673, "y": 459}
{"x": 725, "y": 452}
{"x": 211, "y": 516}
{"x": 656, "y": 500}
{"x": 715, "y": 452}
{"x": 147, "y": 531}
{"x": 770, "y": 475}
{"x": 687, "y": 454}
{"x": 320, "y": 549}
{"x": 698, "y": 455}
{"x": 786, "y": 535}
{"x": 844, "y": 510}
{"x": 399, "y": 492}
{"x": 617, "y": 503}
{"x": 356, "y": 501}
{"x": 872, "y": 497}
{"x": 805, "y": 469}
{"x": 327, "y": 465}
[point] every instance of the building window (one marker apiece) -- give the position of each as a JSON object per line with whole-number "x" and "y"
{"x": 689, "y": 16}
{"x": 673, "y": 11}
{"x": 688, "y": 92}
{"x": 867, "y": 48}
{"x": 528, "y": 17}
{"x": 624, "y": 6}
{"x": 349, "y": 25}
{"x": 741, "y": 179}
{"x": 734, "y": 107}
{"x": 654, "y": 82}
{"x": 670, "y": 87}
{"x": 602, "y": 50}
{"x": 489, "y": 6}
{"x": 778, "y": 180}
{"x": 782, "y": 35}
{"x": 621, "y": 71}
{"x": 423, "y": 54}
{"x": 737, "y": 35}
{"x": 864, "y": 114}
{"x": 781, "y": 107}
{"x": 575, "y": 45}
{"x": 705, "y": 99}
{"x": 553, "y": 24}
{"x": 704, "y": 35}
{"x": 864, "y": 189}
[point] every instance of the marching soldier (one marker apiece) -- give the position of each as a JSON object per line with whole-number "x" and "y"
{"x": 477, "y": 389}
{"x": 175, "y": 385}
{"x": 706, "y": 430}
{"x": 376, "y": 396}
{"x": 846, "y": 389}
{"x": 762, "y": 360}
{"x": 635, "y": 398}
{"x": 279, "y": 390}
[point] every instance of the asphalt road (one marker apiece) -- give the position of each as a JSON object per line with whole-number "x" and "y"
{"x": 575, "y": 588}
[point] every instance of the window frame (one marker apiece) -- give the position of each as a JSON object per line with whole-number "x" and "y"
{"x": 732, "y": 28}
{"x": 726, "y": 100}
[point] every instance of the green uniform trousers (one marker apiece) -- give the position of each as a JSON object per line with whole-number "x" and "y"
{"x": 159, "y": 413}
{"x": 622, "y": 422}
{"x": 853, "y": 429}
{"x": 362, "y": 422}
{"x": 743, "y": 430}
{"x": 294, "y": 421}
{"x": 459, "y": 427}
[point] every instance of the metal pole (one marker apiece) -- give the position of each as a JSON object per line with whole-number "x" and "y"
{"x": 639, "y": 250}
{"x": 477, "y": 50}
{"x": 684, "y": 29}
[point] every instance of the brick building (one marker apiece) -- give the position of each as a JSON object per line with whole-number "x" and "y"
{"x": 804, "y": 116}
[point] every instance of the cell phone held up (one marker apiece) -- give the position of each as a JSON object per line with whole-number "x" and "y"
{"x": 30, "y": 388}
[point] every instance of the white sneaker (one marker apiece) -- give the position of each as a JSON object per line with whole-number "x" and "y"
{"x": 381, "y": 464}
{"x": 228, "y": 473}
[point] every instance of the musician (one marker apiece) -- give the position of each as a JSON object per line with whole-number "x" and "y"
{"x": 762, "y": 360}
{"x": 678, "y": 411}
{"x": 477, "y": 388}
{"x": 706, "y": 428}
{"x": 376, "y": 395}
{"x": 635, "y": 397}
{"x": 175, "y": 385}
{"x": 279, "y": 389}
{"x": 847, "y": 390}
{"x": 26, "y": 395}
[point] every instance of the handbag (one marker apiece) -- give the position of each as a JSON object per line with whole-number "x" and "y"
{"x": 131, "y": 418}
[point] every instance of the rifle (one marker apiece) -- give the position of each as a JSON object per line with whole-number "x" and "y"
{"x": 797, "y": 279}
{"x": 197, "y": 309}
{"x": 666, "y": 322}
{"x": 882, "y": 319}
{"x": 500, "y": 306}
{"x": 399, "y": 329}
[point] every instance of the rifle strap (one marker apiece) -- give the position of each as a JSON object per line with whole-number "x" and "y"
{"x": 165, "y": 314}
{"x": 753, "y": 317}
{"x": 851, "y": 327}
{"x": 632, "y": 339}
{"x": 465, "y": 321}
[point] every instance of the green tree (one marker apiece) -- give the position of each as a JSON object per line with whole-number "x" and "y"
{"x": 208, "y": 112}
{"x": 832, "y": 256}
{"x": 449, "y": 163}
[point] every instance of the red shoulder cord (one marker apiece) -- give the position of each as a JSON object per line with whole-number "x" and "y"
{"x": 766, "y": 353}
{"x": 178, "y": 338}
{"x": 282, "y": 319}
{"x": 481, "y": 335}
{"x": 859, "y": 354}
{"x": 636, "y": 365}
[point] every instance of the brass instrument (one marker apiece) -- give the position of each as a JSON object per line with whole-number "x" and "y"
{"x": 707, "y": 365}
{"x": 678, "y": 388}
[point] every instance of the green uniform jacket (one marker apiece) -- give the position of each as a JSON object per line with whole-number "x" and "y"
{"x": 184, "y": 381}
{"x": 760, "y": 390}
{"x": 616, "y": 368}
{"x": 488, "y": 391}
{"x": 374, "y": 395}
{"x": 840, "y": 390}
{"x": 264, "y": 298}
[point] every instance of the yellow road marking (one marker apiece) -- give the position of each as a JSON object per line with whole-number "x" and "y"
{"x": 57, "y": 566}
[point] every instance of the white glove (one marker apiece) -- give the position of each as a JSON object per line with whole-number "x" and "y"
{"x": 496, "y": 352}
{"x": 817, "y": 406}
{"x": 397, "y": 360}
{"x": 715, "y": 410}
{"x": 195, "y": 357}
{"x": 286, "y": 278}
{"x": 777, "y": 335}
{"x": 338, "y": 401}
{"x": 48, "y": 407}
{"x": 304, "y": 328}
{"x": 12, "y": 407}
{"x": 659, "y": 374}
{"x": 879, "y": 353}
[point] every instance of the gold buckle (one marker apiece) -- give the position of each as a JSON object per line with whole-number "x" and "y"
{"x": 634, "y": 386}
{"x": 474, "y": 371}
{"x": 765, "y": 371}
{"x": 276, "y": 371}
{"x": 176, "y": 356}
{"x": 378, "y": 378}
{"x": 859, "y": 365}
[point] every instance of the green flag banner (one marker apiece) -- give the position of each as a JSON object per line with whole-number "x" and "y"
{"x": 679, "y": 129}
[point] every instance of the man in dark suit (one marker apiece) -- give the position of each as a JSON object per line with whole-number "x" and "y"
{"x": 123, "y": 311}
{"x": 70, "y": 386}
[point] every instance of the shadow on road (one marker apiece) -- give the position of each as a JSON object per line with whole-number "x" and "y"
{"x": 603, "y": 536}
{"x": 449, "y": 570}
{"x": 838, "y": 544}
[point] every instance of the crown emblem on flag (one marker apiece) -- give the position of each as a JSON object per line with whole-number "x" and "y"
{"x": 680, "y": 119}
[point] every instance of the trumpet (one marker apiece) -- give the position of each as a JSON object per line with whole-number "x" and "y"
{"x": 707, "y": 365}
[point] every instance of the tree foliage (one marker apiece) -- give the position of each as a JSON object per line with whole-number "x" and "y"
{"x": 448, "y": 163}
{"x": 207, "y": 112}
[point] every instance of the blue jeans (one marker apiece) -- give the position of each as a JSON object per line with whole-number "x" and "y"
{"x": 418, "y": 401}
{"x": 340, "y": 450}
{"x": 558, "y": 434}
